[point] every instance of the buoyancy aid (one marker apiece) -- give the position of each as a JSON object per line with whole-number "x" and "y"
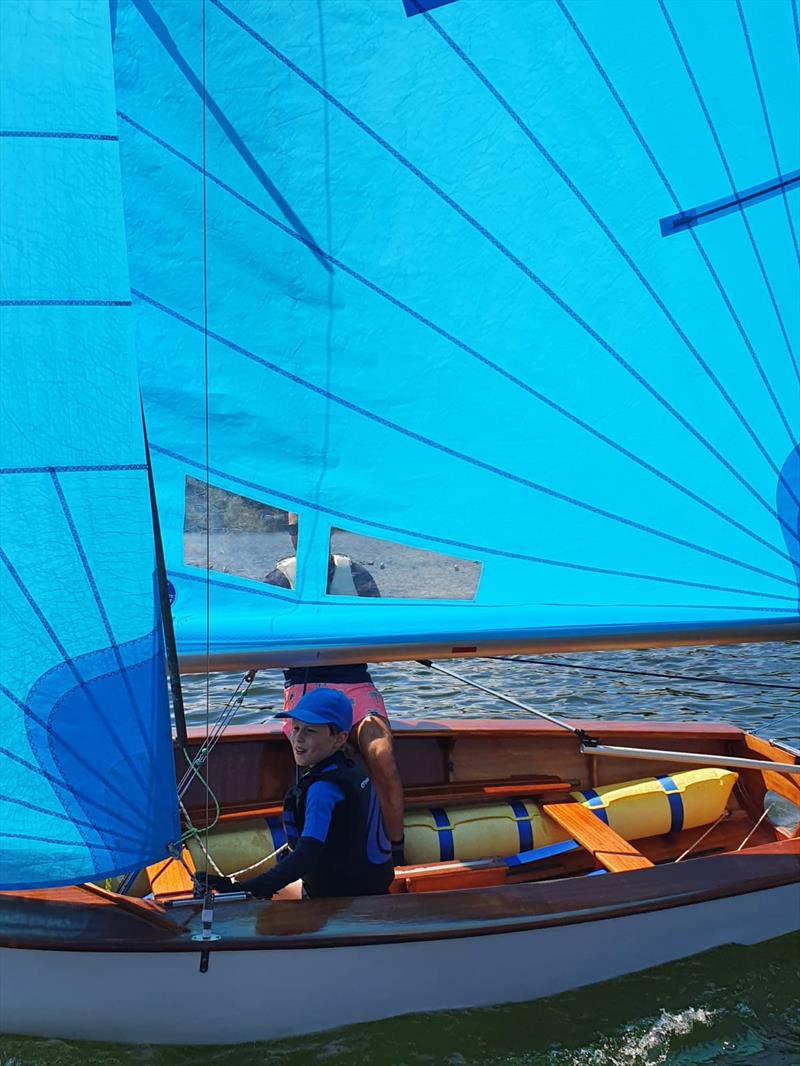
{"x": 340, "y": 582}
{"x": 356, "y": 856}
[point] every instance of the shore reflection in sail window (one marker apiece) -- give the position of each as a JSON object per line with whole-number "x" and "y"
{"x": 367, "y": 566}
{"x": 242, "y": 536}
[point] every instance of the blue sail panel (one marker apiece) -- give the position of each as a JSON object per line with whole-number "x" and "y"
{"x": 87, "y": 784}
{"x": 418, "y": 262}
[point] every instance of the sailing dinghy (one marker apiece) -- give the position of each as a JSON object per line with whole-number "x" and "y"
{"x": 498, "y": 300}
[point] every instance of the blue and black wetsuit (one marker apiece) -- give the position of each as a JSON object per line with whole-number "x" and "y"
{"x": 335, "y": 831}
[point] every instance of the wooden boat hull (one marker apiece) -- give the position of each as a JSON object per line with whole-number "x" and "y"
{"x": 91, "y": 965}
{"x": 408, "y": 954}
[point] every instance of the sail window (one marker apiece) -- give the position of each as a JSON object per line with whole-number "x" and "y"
{"x": 238, "y": 535}
{"x": 366, "y": 566}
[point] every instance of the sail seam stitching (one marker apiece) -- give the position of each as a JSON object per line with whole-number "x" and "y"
{"x": 626, "y": 256}
{"x": 505, "y": 251}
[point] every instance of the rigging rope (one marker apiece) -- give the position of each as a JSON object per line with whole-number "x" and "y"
{"x": 644, "y": 673}
{"x": 581, "y": 734}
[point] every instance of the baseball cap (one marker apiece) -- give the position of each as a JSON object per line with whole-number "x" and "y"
{"x": 323, "y": 706}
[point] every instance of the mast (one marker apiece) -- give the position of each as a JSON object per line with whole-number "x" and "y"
{"x": 173, "y": 671}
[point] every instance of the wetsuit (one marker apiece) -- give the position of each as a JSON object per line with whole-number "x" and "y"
{"x": 335, "y": 832}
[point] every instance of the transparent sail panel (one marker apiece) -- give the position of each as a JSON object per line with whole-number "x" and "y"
{"x": 232, "y": 534}
{"x": 366, "y": 566}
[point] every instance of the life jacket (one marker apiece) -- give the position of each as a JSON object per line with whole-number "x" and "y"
{"x": 356, "y": 856}
{"x": 340, "y": 582}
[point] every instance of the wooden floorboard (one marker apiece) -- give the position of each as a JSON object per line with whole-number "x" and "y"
{"x": 607, "y": 847}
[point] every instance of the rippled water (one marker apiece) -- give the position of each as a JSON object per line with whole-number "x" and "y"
{"x": 735, "y": 1006}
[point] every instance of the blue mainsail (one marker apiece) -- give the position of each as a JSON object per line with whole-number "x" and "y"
{"x": 513, "y": 284}
{"x": 87, "y": 785}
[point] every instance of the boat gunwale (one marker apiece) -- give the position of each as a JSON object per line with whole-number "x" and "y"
{"x": 785, "y": 855}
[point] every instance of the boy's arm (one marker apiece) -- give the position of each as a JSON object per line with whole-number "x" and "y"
{"x": 321, "y": 799}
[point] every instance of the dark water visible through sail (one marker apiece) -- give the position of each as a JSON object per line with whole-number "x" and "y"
{"x": 735, "y": 1006}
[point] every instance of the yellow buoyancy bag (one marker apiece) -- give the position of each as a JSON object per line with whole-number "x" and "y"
{"x": 247, "y": 845}
{"x": 634, "y": 809}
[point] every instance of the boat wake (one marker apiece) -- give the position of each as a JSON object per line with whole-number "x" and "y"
{"x": 646, "y": 1043}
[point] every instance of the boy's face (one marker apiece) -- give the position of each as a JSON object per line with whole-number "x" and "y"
{"x": 313, "y": 743}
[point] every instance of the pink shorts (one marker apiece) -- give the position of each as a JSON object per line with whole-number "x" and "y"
{"x": 365, "y": 698}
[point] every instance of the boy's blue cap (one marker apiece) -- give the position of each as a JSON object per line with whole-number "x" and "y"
{"x": 323, "y": 706}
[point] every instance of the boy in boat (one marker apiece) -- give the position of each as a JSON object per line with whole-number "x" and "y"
{"x": 332, "y": 818}
{"x": 371, "y": 732}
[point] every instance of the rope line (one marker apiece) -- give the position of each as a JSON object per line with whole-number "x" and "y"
{"x": 503, "y": 249}
{"x": 646, "y": 673}
{"x": 767, "y": 123}
{"x": 207, "y": 435}
{"x": 729, "y": 173}
{"x": 478, "y": 356}
{"x": 453, "y": 452}
{"x": 606, "y": 230}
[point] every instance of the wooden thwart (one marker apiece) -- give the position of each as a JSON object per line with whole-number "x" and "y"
{"x": 607, "y": 847}
{"x": 169, "y": 879}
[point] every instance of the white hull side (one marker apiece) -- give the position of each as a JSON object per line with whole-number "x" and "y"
{"x": 263, "y": 995}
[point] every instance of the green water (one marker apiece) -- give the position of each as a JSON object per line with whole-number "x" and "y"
{"x": 734, "y": 1005}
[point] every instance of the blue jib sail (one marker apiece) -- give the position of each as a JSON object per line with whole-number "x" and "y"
{"x": 498, "y": 298}
{"x": 87, "y": 786}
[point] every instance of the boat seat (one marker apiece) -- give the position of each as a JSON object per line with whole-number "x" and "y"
{"x": 607, "y": 848}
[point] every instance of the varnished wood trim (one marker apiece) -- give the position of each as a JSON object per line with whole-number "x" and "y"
{"x": 607, "y": 847}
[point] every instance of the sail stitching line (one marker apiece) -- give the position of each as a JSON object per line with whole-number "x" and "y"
{"x": 447, "y": 450}
{"x": 71, "y": 664}
{"x": 626, "y": 256}
{"x": 767, "y": 123}
{"x": 45, "y": 840}
{"x": 424, "y": 537}
{"x": 65, "y": 303}
{"x": 496, "y": 367}
{"x": 56, "y": 134}
{"x": 728, "y": 172}
{"x": 77, "y": 755}
{"x": 666, "y": 182}
{"x": 385, "y": 602}
{"x": 61, "y": 784}
{"x": 123, "y": 669}
{"x": 505, "y": 251}
{"x": 162, "y": 34}
{"x": 97, "y": 469}
{"x": 63, "y": 817}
